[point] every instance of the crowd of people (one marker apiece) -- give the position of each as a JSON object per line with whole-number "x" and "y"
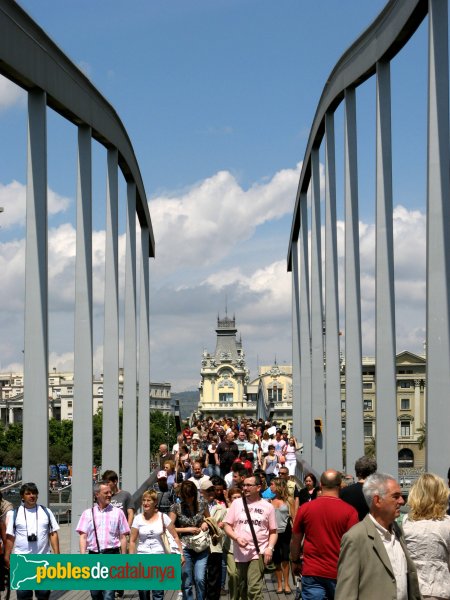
{"x": 227, "y": 502}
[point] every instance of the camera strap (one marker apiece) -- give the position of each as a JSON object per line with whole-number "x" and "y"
{"x": 44, "y": 508}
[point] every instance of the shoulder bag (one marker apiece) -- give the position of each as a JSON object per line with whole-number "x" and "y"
{"x": 165, "y": 541}
{"x": 198, "y": 542}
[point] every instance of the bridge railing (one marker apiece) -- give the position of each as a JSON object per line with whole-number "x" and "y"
{"x": 32, "y": 60}
{"x": 316, "y": 350}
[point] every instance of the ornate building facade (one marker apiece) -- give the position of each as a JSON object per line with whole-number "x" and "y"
{"x": 225, "y": 386}
{"x": 224, "y": 374}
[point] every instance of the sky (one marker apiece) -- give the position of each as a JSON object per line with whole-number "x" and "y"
{"x": 218, "y": 97}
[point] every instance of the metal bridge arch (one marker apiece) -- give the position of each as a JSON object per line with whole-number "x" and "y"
{"x": 316, "y": 357}
{"x": 32, "y": 60}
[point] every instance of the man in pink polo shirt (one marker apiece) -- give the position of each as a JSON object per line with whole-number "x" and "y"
{"x": 103, "y": 530}
{"x": 250, "y": 563}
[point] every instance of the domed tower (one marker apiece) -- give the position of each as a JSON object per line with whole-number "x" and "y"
{"x": 224, "y": 375}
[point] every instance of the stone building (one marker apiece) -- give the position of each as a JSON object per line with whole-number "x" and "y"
{"x": 60, "y": 395}
{"x": 411, "y": 408}
{"x": 226, "y": 389}
{"x": 224, "y": 374}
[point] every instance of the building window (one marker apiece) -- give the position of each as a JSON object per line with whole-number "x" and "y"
{"x": 69, "y": 403}
{"x": 226, "y": 397}
{"x": 405, "y": 384}
{"x": 367, "y": 386}
{"x": 368, "y": 429}
{"x": 100, "y": 391}
{"x": 342, "y": 404}
{"x": 343, "y": 429}
{"x": 275, "y": 394}
{"x": 405, "y": 404}
{"x": 367, "y": 404}
{"x": 405, "y": 458}
{"x": 252, "y": 397}
{"x": 405, "y": 428}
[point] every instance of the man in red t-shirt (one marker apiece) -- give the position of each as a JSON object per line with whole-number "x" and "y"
{"x": 322, "y": 523}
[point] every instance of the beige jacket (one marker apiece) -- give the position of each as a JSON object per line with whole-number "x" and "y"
{"x": 364, "y": 568}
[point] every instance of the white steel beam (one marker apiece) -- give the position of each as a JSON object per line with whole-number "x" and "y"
{"x": 110, "y": 437}
{"x": 353, "y": 355}
{"x": 143, "y": 459}
{"x": 35, "y": 395}
{"x": 129, "y": 436}
{"x": 306, "y": 427}
{"x": 82, "y": 450}
{"x": 438, "y": 244}
{"x": 317, "y": 366}
{"x": 385, "y": 363}
{"x": 332, "y": 357}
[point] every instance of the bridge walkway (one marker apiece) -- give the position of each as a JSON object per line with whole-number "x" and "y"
{"x": 64, "y": 539}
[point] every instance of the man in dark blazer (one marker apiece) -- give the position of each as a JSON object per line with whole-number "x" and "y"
{"x": 374, "y": 563}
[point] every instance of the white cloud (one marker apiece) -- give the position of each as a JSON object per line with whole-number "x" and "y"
{"x": 13, "y": 200}
{"x": 10, "y": 94}
{"x": 202, "y": 225}
{"x": 199, "y": 234}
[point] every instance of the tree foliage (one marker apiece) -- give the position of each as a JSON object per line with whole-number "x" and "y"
{"x": 60, "y": 434}
{"x": 162, "y": 430}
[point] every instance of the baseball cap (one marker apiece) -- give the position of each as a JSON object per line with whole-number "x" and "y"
{"x": 206, "y": 484}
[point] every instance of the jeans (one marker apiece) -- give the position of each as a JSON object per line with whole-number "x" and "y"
{"x": 213, "y": 470}
{"x": 102, "y": 594}
{"x": 318, "y": 588}
{"x": 28, "y": 594}
{"x": 194, "y": 573}
{"x": 155, "y": 594}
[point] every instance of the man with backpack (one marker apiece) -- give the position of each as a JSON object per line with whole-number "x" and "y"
{"x": 31, "y": 529}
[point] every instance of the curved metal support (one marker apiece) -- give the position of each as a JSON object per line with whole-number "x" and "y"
{"x": 358, "y": 63}
{"x": 31, "y": 59}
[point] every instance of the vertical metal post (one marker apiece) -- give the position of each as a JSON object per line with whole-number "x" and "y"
{"x": 306, "y": 426}
{"x": 332, "y": 358}
{"x": 144, "y": 363}
{"x": 353, "y": 354}
{"x": 129, "y": 436}
{"x": 82, "y": 452}
{"x": 438, "y": 246}
{"x": 296, "y": 404}
{"x": 317, "y": 366}
{"x": 386, "y": 393}
{"x": 110, "y": 437}
{"x": 35, "y": 396}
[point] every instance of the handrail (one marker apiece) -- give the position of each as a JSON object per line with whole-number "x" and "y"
{"x": 32, "y": 60}
{"x": 382, "y": 40}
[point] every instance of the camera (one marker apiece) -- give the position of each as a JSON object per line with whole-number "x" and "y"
{"x": 32, "y": 537}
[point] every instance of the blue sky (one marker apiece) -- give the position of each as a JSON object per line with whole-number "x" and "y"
{"x": 218, "y": 97}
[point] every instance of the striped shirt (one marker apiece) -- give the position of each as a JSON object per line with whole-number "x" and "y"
{"x": 110, "y": 524}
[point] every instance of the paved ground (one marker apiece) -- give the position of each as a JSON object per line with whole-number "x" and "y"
{"x": 269, "y": 594}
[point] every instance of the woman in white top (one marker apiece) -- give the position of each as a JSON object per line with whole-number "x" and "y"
{"x": 289, "y": 454}
{"x": 146, "y": 531}
{"x": 427, "y": 535}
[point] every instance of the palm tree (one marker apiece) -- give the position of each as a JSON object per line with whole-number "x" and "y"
{"x": 422, "y": 439}
{"x": 370, "y": 448}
